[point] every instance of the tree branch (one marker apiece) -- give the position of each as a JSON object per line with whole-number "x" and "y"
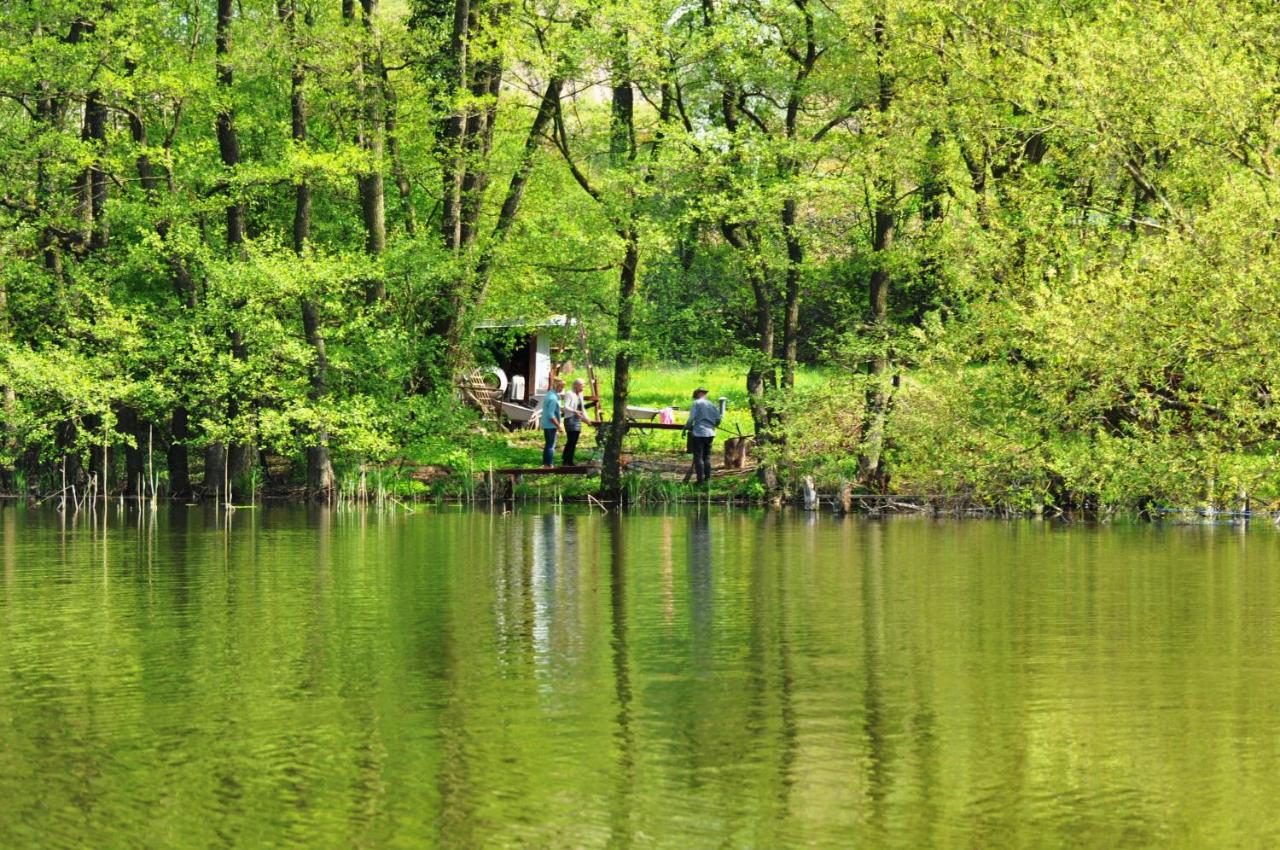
{"x": 561, "y": 140}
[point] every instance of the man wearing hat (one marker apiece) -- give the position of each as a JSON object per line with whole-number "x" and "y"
{"x": 701, "y": 427}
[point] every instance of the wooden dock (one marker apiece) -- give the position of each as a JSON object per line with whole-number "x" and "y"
{"x": 578, "y": 469}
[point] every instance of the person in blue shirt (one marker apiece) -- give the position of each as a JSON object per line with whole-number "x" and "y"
{"x": 704, "y": 418}
{"x": 551, "y": 423}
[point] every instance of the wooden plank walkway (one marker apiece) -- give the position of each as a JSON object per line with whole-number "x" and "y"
{"x": 580, "y": 469}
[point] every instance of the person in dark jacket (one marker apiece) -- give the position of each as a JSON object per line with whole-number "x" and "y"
{"x": 704, "y": 418}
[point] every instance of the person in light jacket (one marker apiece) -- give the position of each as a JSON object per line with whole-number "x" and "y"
{"x": 704, "y": 417}
{"x": 574, "y": 414}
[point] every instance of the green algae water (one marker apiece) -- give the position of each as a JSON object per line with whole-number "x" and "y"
{"x": 303, "y": 678}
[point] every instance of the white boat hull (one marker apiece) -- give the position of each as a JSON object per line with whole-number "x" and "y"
{"x": 517, "y": 412}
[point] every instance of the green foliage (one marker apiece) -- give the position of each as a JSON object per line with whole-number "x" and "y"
{"x": 1071, "y": 208}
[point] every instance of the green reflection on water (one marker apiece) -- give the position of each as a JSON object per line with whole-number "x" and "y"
{"x": 301, "y": 678}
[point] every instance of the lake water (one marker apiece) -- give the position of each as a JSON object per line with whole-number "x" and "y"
{"x": 302, "y": 678}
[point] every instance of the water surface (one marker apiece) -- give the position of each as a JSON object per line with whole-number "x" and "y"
{"x": 300, "y": 678}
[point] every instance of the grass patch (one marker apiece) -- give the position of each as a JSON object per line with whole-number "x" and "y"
{"x": 671, "y": 385}
{"x": 483, "y": 446}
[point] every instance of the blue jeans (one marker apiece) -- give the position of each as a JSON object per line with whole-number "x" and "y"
{"x": 548, "y": 446}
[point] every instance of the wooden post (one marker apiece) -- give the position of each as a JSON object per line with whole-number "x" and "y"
{"x": 104, "y": 463}
{"x": 151, "y": 469}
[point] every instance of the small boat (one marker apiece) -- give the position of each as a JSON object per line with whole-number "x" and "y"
{"x": 517, "y": 413}
{"x": 642, "y": 413}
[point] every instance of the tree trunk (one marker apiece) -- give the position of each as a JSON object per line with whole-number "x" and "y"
{"x": 100, "y": 462}
{"x": 215, "y": 471}
{"x": 221, "y": 463}
{"x": 621, "y": 107}
{"x": 871, "y": 457}
{"x": 467, "y": 135}
{"x": 176, "y": 454}
{"x": 369, "y": 76}
{"x": 50, "y": 106}
{"x": 8, "y": 405}
{"x": 228, "y": 140}
{"x": 138, "y": 133}
{"x": 933, "y": 189}
{"x": 870, "y": 461}
{"x": 241, "y": 457}
{"x": 319, "y": 467}
{"x": 95, "y": 179}
{"x": 398, "y": 171}
{"x": 48, "y": 241}
{"x": 9, "y": 453}
{"x": 477, "y": 142}
{"x": 789, "y": 171}
{"x": 791, "y": 310}
{"x": 762, "y": 378}
{"x": 83, "y": 189}
{"x": 622, "y": 152}
{"x": 66, "y": 434}
{"x": 466, "y": 139}
{"x": 373, "y": 212}
{"x": 298, "y": 125}
{"x": 762, "y": 373}
{"x": 135, "y": 458}
{"x": 611, "y": 473}
{"x": 451, "y": 133}
{"x": 320, "y": 480}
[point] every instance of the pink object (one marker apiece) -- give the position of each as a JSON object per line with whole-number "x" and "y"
{"x": 667, "y": 416}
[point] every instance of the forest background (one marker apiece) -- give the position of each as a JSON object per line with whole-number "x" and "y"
{"x": 1030, "y": 245}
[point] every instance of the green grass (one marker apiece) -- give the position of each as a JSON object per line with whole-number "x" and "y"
{"x": 494, "y": 447}
{"x": 669, "y": 384}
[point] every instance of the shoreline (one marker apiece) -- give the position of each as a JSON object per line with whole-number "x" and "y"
{"x": 828, "y": 504}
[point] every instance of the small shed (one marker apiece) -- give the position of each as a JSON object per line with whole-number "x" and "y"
{"x": 525, "y": 350}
